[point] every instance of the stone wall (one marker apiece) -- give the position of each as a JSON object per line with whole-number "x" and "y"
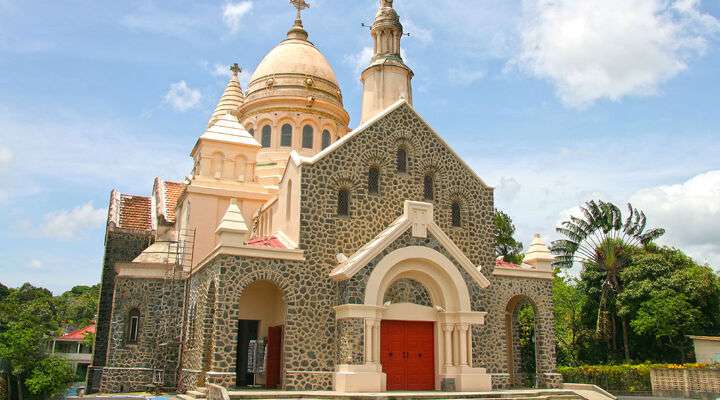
{"x": 131, "y": 366}
{"x": 701, "y": 383}
{"x": 309, "y": 326}
{"x": 120, "y": 246}
{"x": 407, "y": 291}
{"x": 351, "y": 341}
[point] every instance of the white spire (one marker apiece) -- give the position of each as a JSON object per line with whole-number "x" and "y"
{"x": 232, "y": 229}
{"x": 231, "y": 99}
{"x": 538, "y": 254}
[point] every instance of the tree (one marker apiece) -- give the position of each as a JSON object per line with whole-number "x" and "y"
{"x": 78, "y": 306}
{"x": 505, "y": 244}
{"x": 50, "y": 378}
{"x": 668, "y": 296}
{"x": 568, "y": 303}
{"x": 601, "y": 239}
{"x": 666, "y": 317}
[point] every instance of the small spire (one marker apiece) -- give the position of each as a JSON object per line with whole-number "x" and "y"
{"x": 232, "y": 97}
{"x": 297, "y": 31}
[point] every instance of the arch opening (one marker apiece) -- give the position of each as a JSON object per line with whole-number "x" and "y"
{"x": 521, "y": 330}
{"x": 261, "y": 321}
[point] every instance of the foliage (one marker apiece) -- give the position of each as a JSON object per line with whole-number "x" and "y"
{"x": 50, "y": 378}
{"x": 624, "y": 378}
{"x": 568, "y": 303}
{"x": 29, "y": 318}
{"x": 505, "y": 244}
{"x": 666, "y": 296}
{"x": 526, "y": 336}
{"x": 600, "y": 239}
{"x": 614, "y": 378}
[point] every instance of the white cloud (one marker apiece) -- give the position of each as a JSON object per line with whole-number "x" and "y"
{"x": 465, "y": 76}
{"x": 68, "y": 224}
{"x": 182, "y": 97}
{"x": 423, "y": 35}
{"x": 36, "y": 264}
{"x": 689, "y": 212}
{"x": 6, "y": 158}
{"x": 360, "y": 60}
{"x": 233, "y": 14}
{"x": 507, "y": 190}
{"x": 609, "y": 49}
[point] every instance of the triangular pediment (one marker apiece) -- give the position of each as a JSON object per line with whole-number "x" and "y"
{"x": 418, "y": 218}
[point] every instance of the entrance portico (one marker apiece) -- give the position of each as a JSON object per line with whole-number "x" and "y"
{"x": 447, "y": 321}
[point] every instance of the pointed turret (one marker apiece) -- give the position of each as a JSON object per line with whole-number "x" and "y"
{"x": 232, "y": 229}
{"x": 387, "y": 79}
{"x": 538, "y": 254}
{"x": 231, "y": 99}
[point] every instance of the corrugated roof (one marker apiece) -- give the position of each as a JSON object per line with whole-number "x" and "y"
{"x": 135, "y": 212}
{"x": 78, "y": 334}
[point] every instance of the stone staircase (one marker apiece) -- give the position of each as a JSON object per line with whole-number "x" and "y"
{"x": 197, "y": 394}
{"x": 535, "y": 394}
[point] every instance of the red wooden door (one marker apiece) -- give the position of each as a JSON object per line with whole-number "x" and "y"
{"x": 274, "y": 350}
{"x": 407, "y": 354}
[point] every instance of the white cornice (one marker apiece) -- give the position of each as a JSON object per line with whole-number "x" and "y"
{"x": 419, "y": 217}
{"x": 523, "y": 273}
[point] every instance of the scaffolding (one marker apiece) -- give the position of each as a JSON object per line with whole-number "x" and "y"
{"x": 179, "y": 260}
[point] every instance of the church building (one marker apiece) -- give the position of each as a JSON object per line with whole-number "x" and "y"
{"x": 301, "y": 254}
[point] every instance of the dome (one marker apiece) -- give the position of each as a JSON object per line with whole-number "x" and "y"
{"x": 295, "y": 56}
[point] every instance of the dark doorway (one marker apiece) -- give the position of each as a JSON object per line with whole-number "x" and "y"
{"x": 274, "y": 350}
{"x": 247, "y": 331}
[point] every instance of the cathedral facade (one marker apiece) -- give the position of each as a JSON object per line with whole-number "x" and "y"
{"x": 303, "y": 255}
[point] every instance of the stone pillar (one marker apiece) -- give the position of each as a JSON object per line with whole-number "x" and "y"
{"x": 369, "y": 346}
{"x": 376, "y": 342}
{"x": 462, "y": 333}
{"x": 447, "y": 343}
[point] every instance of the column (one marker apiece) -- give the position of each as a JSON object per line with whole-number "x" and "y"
{"x": 469, "y": 346}
{"x": 447, "y": 330}
{"x": 369, "y": 324}
{"x": 376, "y": 342}
{"x": 462, "y": 333}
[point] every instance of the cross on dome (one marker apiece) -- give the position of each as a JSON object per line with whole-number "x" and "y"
{"x": 297, "y": 31}
{"x": 235, "y": 68}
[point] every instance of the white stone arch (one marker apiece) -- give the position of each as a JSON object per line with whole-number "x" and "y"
{"x": 432, "y": 269}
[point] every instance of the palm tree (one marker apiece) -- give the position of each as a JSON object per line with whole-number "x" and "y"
{"x": 599, "y": 239}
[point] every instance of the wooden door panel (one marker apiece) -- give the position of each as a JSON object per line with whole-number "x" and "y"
{"x": 274, "y": 351}
{"x": 407, "y": 354}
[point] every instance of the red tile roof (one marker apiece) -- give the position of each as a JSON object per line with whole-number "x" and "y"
{"x": 78, "y": 334}
{"x": 173, "y": 191}
{"x": 270, "y": 241}
{"x": 135, "y": 212}
{"x": 502, "y": 263}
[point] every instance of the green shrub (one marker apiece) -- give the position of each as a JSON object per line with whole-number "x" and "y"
{"x": 616, "y": 378}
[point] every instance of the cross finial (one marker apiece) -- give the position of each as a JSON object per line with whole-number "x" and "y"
{"x": 299, "y": 5}
{"x": 235, "y": 68}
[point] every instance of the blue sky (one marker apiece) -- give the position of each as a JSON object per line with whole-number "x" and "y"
{"x": 552, "y": 102}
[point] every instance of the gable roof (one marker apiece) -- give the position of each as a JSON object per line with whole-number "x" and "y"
{"x": 77, "y": 335}
{"x": 135, "y": 212}
{"x": 417, "y": 216}
{"x": 398, "y": 104}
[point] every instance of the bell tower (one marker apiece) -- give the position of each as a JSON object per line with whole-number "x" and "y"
{"x": 387, "y": 79}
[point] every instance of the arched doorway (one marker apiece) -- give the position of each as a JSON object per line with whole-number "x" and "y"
{"x": 407, "y": 336}
{"x": 521, "y": 329}
{"x": 208, "y": 323}
{"x": 261, "y": 318}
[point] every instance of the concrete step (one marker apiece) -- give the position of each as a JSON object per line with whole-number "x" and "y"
{"x": 196, "y": 394}
{"x": 184, "y": 397}
{"x": 202, "y": 389}
{"x": 431, "y": 395}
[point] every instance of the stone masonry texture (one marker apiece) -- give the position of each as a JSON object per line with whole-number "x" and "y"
{"x": 314, "y": 342}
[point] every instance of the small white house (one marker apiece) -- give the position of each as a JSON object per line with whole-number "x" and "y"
{"x": 71, "y": 347}
{"x": 707, "y": 349}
